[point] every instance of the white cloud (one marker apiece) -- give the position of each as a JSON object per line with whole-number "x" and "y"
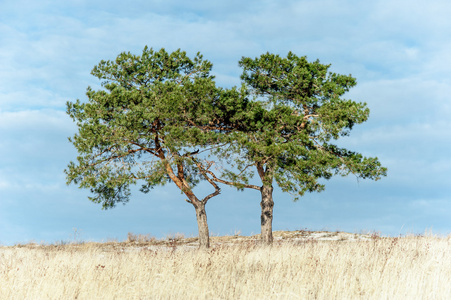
{"x": 36, "y": 147}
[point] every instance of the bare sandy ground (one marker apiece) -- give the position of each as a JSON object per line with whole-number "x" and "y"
{"x": 180, "y": 243}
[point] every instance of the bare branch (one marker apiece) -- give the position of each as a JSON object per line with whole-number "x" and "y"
{"x": 214, "y": 178}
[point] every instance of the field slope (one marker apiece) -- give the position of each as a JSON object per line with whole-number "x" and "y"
{"x": 300, "y": 265}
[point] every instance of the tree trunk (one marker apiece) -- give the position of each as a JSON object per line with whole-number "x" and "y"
{"x": 201, "y": 215}
{"x": 267, "y": 205}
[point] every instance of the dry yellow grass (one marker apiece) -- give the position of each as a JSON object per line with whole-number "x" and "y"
{"x": 298, "y": 266}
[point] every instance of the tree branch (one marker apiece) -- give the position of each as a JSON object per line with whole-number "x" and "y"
{"x": 217, "y": 189}
{"x": 214, "y": 178}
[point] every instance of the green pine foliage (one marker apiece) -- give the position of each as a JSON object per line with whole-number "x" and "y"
{"x": 146, "y": 125}
{"x": 290, "y": 140}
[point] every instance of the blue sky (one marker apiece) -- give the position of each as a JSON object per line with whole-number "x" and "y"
{"x": 399, "y": 51}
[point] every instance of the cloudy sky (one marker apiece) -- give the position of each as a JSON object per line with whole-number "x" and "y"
{"x": 399, "y": 51}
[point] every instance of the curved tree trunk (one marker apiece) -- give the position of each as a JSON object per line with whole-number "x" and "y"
{"x": 199, "y": 206}
{"x": 267, "y": 205}
{"x": 202, "y": 225}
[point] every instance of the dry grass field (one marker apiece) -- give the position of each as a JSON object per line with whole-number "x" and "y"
{"x": 300, "y": 265}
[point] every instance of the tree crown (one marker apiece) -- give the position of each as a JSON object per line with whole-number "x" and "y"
{"x": 302, "y": 112}
{"x": 150, "y": 119}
